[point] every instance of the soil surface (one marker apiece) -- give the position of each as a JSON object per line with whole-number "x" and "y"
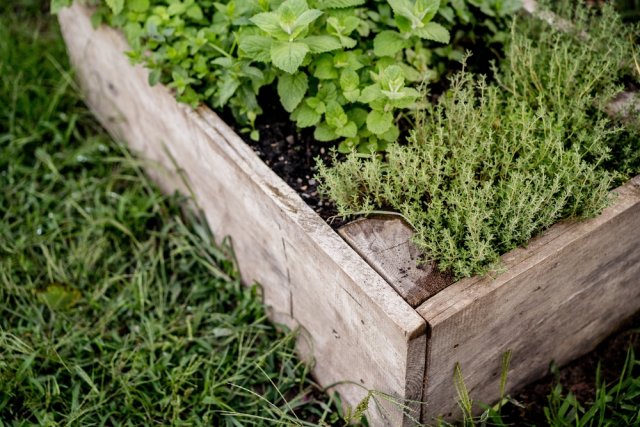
{"x": 290, "y": 153}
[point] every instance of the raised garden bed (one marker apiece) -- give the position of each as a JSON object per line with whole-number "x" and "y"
{"x": 364, "y": 325}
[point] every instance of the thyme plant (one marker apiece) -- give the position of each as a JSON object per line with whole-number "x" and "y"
{"x": 493, "y": 164}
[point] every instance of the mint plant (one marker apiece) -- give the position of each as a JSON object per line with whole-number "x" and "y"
{"x": 325, "y": 83}
{"x": 287, "y": 40}
{"x": 346, "y": 68}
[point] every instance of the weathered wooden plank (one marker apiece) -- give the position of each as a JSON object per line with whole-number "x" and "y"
{"x": 555, "y": 300}
{"x": 355, "y": 326}
{"x": 385, "y": 243}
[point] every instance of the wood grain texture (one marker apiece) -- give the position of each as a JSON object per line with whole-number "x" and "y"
{"x": 356, "y": 327}
{"x": 385, "y": 243}
{"x": 556, "y": 300}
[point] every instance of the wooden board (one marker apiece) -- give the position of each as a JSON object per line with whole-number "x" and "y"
{"x": 385, "y": 243}
{"x": 557, "y": 300}
{"x": 356, "y": 327}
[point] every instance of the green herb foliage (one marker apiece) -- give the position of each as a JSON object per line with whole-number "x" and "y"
{"x": 614, "y": 404}
{"x": 114, "y": 310}
{"x": 494, "y": 164}
{"x": 343, "y": 67}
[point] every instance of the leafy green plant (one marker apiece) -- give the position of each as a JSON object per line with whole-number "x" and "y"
{"x": 491, "y": 415}
{"x": 614, "y": 404}
{"x": 327, "y": 58}
{"x": 491, "y": 165}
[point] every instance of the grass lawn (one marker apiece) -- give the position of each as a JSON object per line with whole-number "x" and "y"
{"x": 116, "y": 308}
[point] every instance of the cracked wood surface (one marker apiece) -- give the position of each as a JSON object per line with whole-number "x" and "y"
{"x": 354, "y": 325}
{"x": 385, "y": 243}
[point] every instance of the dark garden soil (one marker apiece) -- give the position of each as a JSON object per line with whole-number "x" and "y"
{"x": 578, "y": 376}
{"x": 291, "y": 153}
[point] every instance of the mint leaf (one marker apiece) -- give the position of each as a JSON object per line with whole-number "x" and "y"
{"x": 340, "y": 4}
{"x": 256, "y": 47}
{"x": 321, "y": 44}
{"x": 294, "y": 17}
{"x": 116, "y": 6}
{"x": 57, "y": 5}
{"x": 305, "y": 116}
{"x": 413, "y": 75}
{"x": 351, "y": 95}
{"x": 388, "y": 43}
{"x": 348, "y": 59}
{"x": 133, "y": 32}
{"x": 295, "y": 7}
{"x": 358, "y": 116}
{"x": 347, "y": 146}
{"x": 267, "y": 22}
{"x": 379, "y": 122}
{"x": 428, "y": 9}
{"x": 139, "y": 6}
{"x": 402, "y": 8}
{"x": 447, "y": 13}
{"x": 176, "y": 8}
{"x": 324, "y": 132}
{"x": 307, "y": 17}
{"x": 154, "y": 76}
{"x": 316, "y": 104}
{"x": 433, "y": 31}
{"x": 370, "y": 94}
{"x": 349, "y": 80}
{"x": 324, "y": 68}
{"x": 195, "y": 12}
{"x": 288, "y": 55}
{"x": 227, "y": 86}
{"x": 391, "y": 135}
{"x": 404, "y": 24}
{"x": 342, "y": 28}
{"x": 291, "y": 89}
{"x": 335, "y": 115}
{"x": 347, "y": 42}
{"x": 350, "y": 83}
{"x": 350, "y": 130}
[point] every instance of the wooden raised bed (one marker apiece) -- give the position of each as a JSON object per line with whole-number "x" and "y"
{"x": 555, "y": 301}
